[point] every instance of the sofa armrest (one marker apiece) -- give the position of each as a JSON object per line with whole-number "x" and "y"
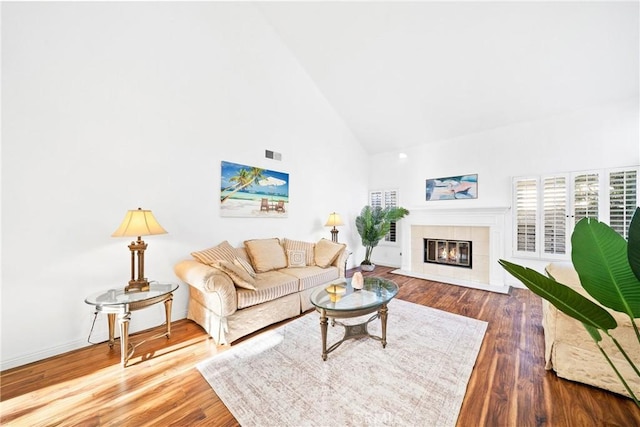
{"x": 341, "y": 262}
{"x": 212, "y": 283}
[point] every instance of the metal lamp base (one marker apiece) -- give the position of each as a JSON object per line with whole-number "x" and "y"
{"x": 137, "y": 286}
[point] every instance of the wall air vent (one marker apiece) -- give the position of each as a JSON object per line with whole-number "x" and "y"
{"x": 272, "y": 155}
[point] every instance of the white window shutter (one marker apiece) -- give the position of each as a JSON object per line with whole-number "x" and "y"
{"x": 526, "y": 195}
{"x": 623, "y": 199}
{"x": 383, "y": 199}
{"x": 554, "y": 205}
{"x": 375, "y": 199}
{"x": 585, "y": 196}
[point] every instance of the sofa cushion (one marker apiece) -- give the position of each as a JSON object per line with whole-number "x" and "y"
{"x": 297, "y": 245}
{"x": 238, "y": 274}
{"x": 312, "y": 276}
{"x": 326, "y": 252}
{"x": 269, "y": 286}
{"x": 296, "y": 259}
{"x": 266, "y": 254}
{"x": 224, "y": 251}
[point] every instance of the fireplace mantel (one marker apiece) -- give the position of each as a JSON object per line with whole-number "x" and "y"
{"x": 494, "y": 218}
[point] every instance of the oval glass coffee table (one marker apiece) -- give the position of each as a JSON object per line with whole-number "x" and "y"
{"x": 340, "y": 301}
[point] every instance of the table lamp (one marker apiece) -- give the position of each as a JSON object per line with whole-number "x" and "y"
{"x": 138, "y": 223}
{"x": 334, "y": 219}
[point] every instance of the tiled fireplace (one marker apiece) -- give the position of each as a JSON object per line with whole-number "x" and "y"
{"x": 474, "y": 236}
{"x": 456, "y": 253}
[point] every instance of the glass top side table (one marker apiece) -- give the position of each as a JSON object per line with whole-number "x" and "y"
{"x": 118, "y": 302}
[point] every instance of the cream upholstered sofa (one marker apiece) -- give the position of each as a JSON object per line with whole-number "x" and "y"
{"x": 236, "y": 291}
{"x": 572, "y": 354}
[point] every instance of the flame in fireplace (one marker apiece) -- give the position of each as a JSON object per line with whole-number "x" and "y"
{"x": 451, "y": 255}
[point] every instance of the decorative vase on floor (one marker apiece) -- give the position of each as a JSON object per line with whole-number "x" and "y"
{"x": 367, "y": 267}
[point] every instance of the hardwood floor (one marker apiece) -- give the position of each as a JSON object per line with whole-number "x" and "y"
{"x": 161, "y": 386}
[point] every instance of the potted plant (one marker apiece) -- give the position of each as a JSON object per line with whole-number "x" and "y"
{"x": 609, "y": 270}
{"x": 373, "y": 224}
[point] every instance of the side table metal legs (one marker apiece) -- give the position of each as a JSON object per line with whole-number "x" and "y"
{"x": 124, "y": 316}
{"x": 123, "y": 322}
{"x": 383, "y": 322}
{"x": 167, "y": 312}
{"x": 353, "y": 331}
{"x": 323, "y": 331}
{"x": 123, "y": 319}
{"x": 111, "y": 318}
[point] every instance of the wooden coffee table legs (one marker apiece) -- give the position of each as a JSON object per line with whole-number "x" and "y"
{"x": 352, "y": 331}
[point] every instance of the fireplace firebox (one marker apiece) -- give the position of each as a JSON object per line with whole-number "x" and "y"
{"x": 456, "y": 253}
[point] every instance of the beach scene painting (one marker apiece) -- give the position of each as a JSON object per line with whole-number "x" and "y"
{"x": 249, "y": 191}
{"x": 452, "y": 188}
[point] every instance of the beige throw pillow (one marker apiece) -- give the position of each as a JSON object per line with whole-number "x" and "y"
{"x": 240, "y": 262}
{"x": 297, "y": 245}
{"x": 224, "y": 251}
{"x": 326, "y": 252}
{"x": 239, "y": 276}
{"x": 296, "y": 258}
{"x": 266, "y": 254}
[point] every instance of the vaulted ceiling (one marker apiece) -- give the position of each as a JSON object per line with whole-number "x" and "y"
{"x": 409, "y": 73}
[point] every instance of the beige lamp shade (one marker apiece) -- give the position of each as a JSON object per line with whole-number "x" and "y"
{"x": 140, "y": 222}
{"x": 334, "y": 220}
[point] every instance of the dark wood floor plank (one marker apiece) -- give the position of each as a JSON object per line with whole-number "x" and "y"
{"x": 508, "y": 387}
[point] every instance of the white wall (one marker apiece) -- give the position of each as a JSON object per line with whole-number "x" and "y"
{"x": 112, "y": 106}
{"x": 598, "y": 137}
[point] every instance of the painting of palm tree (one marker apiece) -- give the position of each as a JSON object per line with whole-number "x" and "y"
{"x": 248, "y": 191}
{"x": 242, "y": 179}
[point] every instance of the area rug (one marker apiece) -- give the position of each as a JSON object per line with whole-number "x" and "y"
{"x": 278, "y": 378}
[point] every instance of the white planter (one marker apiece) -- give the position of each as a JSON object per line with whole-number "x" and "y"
{"x": 367, "y": 267}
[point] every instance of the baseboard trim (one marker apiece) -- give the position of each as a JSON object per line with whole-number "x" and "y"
{"x": 43, "y": 354}
{"x": 61, "y": 349}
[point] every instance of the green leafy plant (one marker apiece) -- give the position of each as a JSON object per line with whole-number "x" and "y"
{"x": 609, "y": 270}
{"x": 374, "y": 223}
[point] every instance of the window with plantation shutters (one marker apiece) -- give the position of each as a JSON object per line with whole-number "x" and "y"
{"x": 548, "y": 207}
{"x": 383, "y": 199}
{"x": 526, "y": 210}
{"x": 554, "y": 199}
{"x": 391, "y": 199}
{"x": 623, "y": 199}
{"x": 585, "y": 196}
{"x": 375, "y": 199}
